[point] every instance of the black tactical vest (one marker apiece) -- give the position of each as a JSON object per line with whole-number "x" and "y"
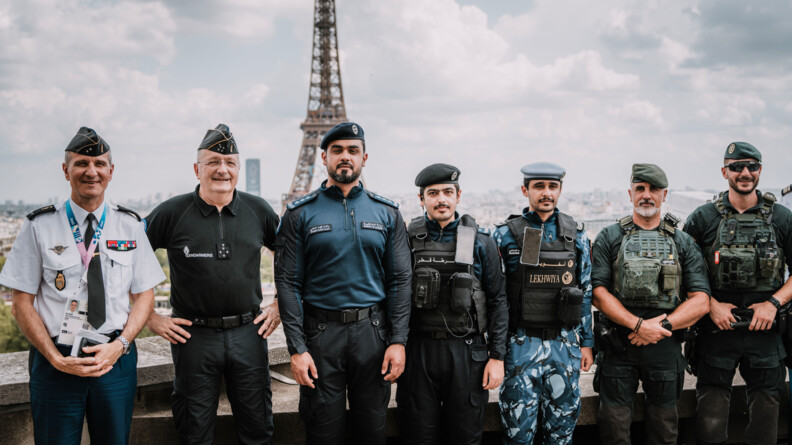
{"x": 446, "y": 295}
{"x": 745, "y": 256}
{"x": 647, "y": 273}
{"x": 535, "y": 292}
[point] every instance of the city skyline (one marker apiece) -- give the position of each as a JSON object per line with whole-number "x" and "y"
{"x": 486, "y": 86}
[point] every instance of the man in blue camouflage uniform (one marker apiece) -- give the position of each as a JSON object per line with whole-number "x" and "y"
{"x": 549, "y": 313}
{"x": 342, "y": 269}
{"x": 459, "y": 294}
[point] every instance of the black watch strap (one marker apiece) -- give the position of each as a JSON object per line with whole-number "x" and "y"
{"x": 665, "y": 324}
{"x": 774, "y": 302}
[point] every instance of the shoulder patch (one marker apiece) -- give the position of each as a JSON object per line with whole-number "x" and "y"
{"x": 483, "y": 230}
{"x": 298, "y": 202}
{"x": 129, "y": 212}
{"x": 383, "y": 199}
{"x": 786, "y": 190}
{"x": 37, "y": 212}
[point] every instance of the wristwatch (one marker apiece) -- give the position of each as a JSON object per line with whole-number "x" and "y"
{"x": 665, "y": 324}
{"x": 124, "y": 342}
{"x": 774, "y": 302}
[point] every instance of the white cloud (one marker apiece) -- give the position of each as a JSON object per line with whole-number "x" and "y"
{"x": 638, "y": 111}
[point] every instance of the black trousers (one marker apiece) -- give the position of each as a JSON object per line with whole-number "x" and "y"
{"x": 760, "y": 358}
{"x": 238, "y": 354}
{"x": 440, "y": 394}
{"x": 348, "y": 359}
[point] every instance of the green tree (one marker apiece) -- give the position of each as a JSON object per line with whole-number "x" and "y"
{"x": 11, "y": 337}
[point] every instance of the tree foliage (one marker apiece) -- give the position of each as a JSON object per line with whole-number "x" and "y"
{"x": 11, "y": 338}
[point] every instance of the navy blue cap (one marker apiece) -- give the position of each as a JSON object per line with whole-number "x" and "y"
{"x": 438, "y": 174}
{"x": 742, "y": 150}
{"x": 543, "y": 170}
{"x": 219, "y": 140}
{"x": 344, "y": 130}
{"x": 87, "y": 142}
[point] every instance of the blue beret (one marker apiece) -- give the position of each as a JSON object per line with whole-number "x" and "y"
{"x": 344, "y": 130}
{"x": 543, "y": 170}
{"x": 219, "y": 140}
{"x": 438, "y": 174}
{"x": 742, "y": 150}
{"x": 87, "y": 142}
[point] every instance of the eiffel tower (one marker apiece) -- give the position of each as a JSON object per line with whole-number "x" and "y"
{"x": 325, "y": 98}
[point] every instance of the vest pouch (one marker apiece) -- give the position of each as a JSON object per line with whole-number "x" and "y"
{"x": 461, "y": 284}
{"x": 641, "y": 278}
{"x": 736, "y": 268}
{"x": 480, "y": 303}
{"x": 768, "y": 267}
{"x": 426, "y": 287}
{"x": 570, "y": 305}
{"x": 669, "y": 273}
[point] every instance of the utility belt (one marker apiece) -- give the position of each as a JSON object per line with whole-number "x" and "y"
{"x": 611, "y": 338}
{"x": 227, "y": 322}
{"x": 344, "y": 316}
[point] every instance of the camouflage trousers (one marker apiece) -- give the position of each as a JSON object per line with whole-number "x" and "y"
{"x": 541, "y": 376}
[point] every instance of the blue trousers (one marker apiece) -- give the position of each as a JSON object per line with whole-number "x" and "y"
{"x": 60, "y": 402}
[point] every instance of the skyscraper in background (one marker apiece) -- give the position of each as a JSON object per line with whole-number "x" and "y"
{"x": 253, "y": 177}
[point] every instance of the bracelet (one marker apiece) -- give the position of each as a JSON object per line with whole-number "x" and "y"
{"x": 638, "y": 325}
{"x": 774, "y": 301}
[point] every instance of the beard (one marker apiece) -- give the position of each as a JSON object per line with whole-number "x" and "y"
{"x": 734, "y": 185}
{"x": 647, "y": 212}
{"x": 343, "y": 178}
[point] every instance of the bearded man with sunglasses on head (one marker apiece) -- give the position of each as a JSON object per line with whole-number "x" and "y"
{"x": 746, "y": 239}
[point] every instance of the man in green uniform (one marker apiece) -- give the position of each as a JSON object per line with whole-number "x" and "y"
{"x": 649, "y": 280}
{"x": 744, "y": 236}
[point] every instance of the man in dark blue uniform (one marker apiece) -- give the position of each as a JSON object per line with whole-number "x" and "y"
{"x": 214, "y": 237}
{"x": 342, "y": 270}
{"x": 459, "y": 295}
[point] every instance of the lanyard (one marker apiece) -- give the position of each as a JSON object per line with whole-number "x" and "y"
{"x": 85, "y": 254}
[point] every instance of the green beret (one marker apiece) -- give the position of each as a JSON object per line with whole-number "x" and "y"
{"x": 649, "y": 173}
{"x": 742, "y": 150}
{"x": 219, "y": 140}
{"x": 87, "y": 142}
{"x": 438, "y": 174}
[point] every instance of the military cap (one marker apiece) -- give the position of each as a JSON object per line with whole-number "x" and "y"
{"x": 344, "y": 130}
{"x": 543, "y": 170}
{"x": 649, "y": 173}
{"x": 438, "y": 174}
{"x": 742, "y": 150}
{"x": 219, "y": 140}
{"x": 87, "y": 142}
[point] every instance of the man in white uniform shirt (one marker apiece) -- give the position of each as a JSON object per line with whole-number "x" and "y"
{"x": 96, "y": 253}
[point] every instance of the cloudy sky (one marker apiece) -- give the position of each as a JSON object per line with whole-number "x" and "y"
{"x": 487, "y": 85}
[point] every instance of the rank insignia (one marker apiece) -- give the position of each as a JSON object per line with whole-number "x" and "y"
{"x": 60, "y": 280}
{"x": 59, "y": 249}
{"x": 121, "y": 245}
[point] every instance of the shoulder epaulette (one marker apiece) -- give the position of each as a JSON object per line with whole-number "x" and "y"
{"x": 506, "y": 221}
{"x": 786, "y": 190}
{"x": 483, "y": 230}
{"x": 383, "y": 199}
{"x": 37, "y": 212}
{"x": 129, "y": 212}
{"x": 669, "y": 223}
{"x": 298, "y": 202}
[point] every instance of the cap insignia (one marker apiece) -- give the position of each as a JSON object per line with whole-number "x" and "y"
{"x": 731, "y": 148}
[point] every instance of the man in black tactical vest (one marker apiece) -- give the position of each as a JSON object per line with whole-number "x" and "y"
{"x": 650, "y": 282}
{"x": 458, "y": 321}
{"x": 746, "y": 239}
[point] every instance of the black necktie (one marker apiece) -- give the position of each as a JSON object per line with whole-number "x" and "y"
{"x": 96, "y": 294}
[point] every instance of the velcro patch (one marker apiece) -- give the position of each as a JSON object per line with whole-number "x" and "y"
{"x": 121, "y": 245}
{"x": 514, "y": 251}
{"x": 320, "y": 228}
{"x": 373, "y": 226}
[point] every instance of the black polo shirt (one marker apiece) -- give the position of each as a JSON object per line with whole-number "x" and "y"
{"x": 214, "y": 256}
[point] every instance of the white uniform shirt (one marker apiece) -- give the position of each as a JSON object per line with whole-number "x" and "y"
{"x": 34, "y": 263}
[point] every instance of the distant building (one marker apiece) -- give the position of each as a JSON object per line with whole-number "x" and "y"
{"x": 253, "y": 177}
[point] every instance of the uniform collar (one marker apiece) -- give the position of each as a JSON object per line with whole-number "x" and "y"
{"x": 434, "y": 226}
{"x": 207, "y": 209}
{"x": 758, "y": 205}
{"x": 335, "y": 192}
{"x": 535, "y": 219}
{"x": 80, "y": 213}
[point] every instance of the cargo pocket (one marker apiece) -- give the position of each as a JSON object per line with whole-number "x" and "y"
{"x": 662, "y": 387}
{"x": 478, "y": 395}
{"x": 313, "y": 408}
{"x": 616, "y": 384}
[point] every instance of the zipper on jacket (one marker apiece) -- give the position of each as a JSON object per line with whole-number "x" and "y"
{"x": 354, "y": 225}
{"x": 346, "y": 215}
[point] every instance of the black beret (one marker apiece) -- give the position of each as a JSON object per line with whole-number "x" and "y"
{"x": 219, "y": 140}
{"x": 742, "y": 150}
{"x": 649, "y": 173}
{"x": 344, "y": 130}
{"x": 438, "y": 174}
{"x": 543, "y": 170}
{"x": 87, "y": 142}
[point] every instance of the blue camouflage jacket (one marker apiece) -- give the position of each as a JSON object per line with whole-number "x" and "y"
{"x": 335, "y": 252}
{"x": 506, "y": 243}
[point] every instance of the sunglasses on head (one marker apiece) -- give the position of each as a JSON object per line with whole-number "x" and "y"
{"x": 737, "y": 167}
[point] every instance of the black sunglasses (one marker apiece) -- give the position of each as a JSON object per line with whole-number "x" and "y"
{"x": 737, "y": 167}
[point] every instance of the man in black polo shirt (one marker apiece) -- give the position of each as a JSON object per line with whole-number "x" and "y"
{"x": 214, "y": 237}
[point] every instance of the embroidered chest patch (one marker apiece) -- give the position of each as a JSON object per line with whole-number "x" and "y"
{"x": 319, "y": 229}
{"x": 373, "y": 226}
